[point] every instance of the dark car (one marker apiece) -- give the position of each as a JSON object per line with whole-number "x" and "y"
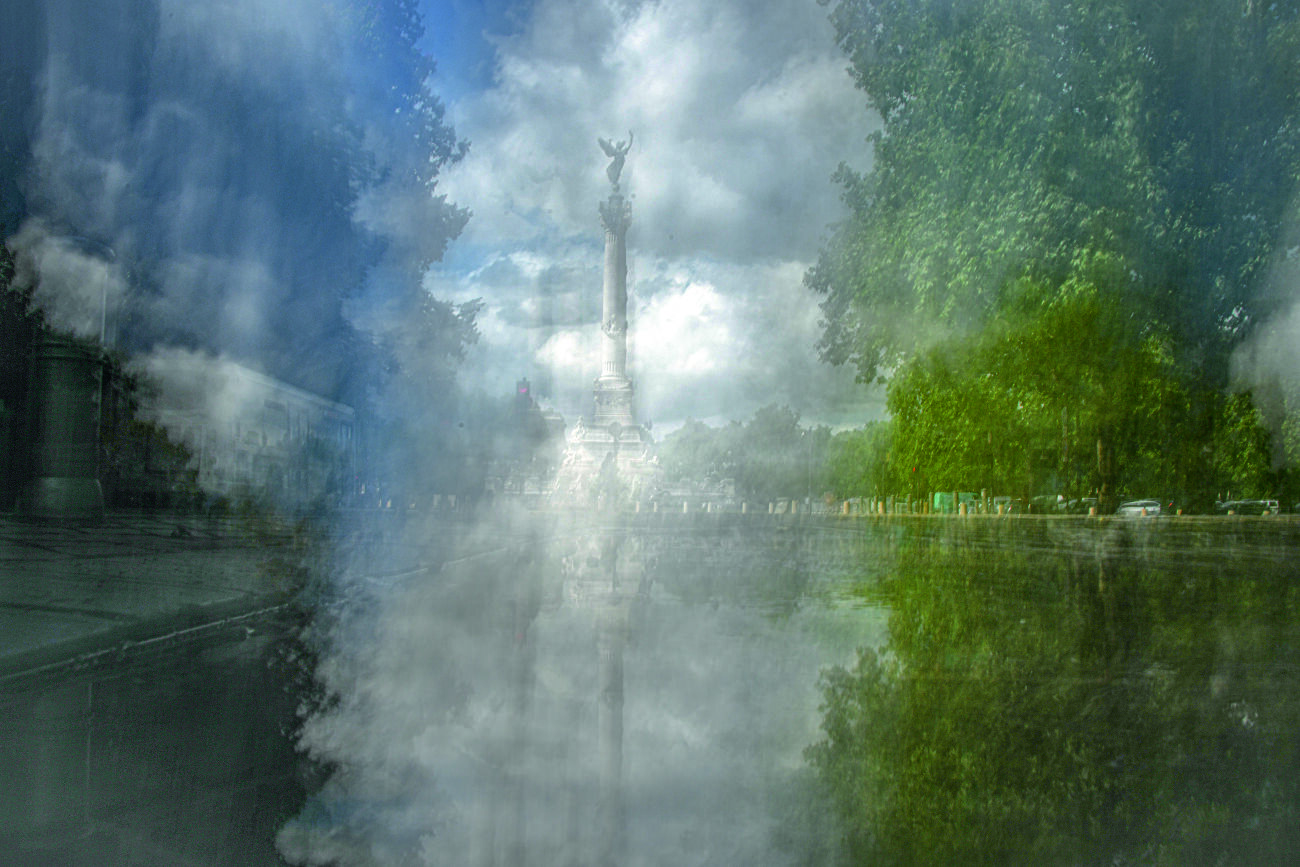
{"x": 1251, "y": 507}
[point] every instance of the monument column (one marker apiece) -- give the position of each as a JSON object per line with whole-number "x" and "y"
{"x": 615, "y": 214}
{"x": 613, "y": 388}
{"x": 608, "y": 456}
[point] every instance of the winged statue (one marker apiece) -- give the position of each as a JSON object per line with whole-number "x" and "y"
{"x": 618, "y": 153}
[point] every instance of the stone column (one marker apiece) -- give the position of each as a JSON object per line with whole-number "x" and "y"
{"x": 613, "y": 388}
{"x": 614, "y": 216}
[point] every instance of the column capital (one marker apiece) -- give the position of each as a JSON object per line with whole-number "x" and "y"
{"x": 615, "y": 214}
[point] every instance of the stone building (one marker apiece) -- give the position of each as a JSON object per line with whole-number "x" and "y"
{"x": 253, "y": 435}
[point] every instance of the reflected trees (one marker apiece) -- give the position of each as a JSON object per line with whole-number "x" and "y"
{"x": 1110, "y": 704}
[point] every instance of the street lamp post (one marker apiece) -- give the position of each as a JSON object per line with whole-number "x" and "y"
{"x": 806, "y": 436}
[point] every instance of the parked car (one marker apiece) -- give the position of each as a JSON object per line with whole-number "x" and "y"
{"x": 1250, "y": 507}
{"x": 1008, "y": 506}
{"x": 1047, "y": 504}
{"x": 944, "y": 505}
{"x": 1139, "y": 508}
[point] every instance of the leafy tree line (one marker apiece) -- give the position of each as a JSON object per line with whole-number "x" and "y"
{"x": 1019, "y": 409}
{"x": 1066, "y": 231}
{"x": 771, "y": 456}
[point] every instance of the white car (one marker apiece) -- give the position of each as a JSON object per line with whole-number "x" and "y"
{"x": 1138, "y": 508}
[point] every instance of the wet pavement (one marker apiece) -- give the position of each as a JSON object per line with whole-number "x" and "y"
{"x": 149, "y": 682}
{"x": 68, "y": 590}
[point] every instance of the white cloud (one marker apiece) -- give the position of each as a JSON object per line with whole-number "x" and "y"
{"x": 686, "y": 332}
{"x": 74, "y": 282}
{"x": 740, "y": 112}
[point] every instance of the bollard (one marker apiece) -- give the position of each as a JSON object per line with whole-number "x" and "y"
{"x": 771, "y": 508}
{"x": 744, "y": 508}
{"x": 846, "y": 508}
{"x": 961, "y": 509}
{"x": 686, "y": 507}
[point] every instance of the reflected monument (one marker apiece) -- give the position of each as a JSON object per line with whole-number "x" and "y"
{"x": 609, "y": 460}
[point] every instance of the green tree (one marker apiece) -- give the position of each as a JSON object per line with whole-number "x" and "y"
{"x": 1243, "y": 451}
{"x": 771, "y": 456}
{"x": 1065, "y": 392}
{"x": 859, "y": 463}
{"x": 1146, "y": 151}
{"x": 696, "y": 451}
{"x": 1017, "y": 133}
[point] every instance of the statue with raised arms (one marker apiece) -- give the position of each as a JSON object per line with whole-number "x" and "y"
{"x": 618, "y": 153}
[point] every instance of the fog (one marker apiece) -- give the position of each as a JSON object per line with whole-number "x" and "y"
{"x": 474, "y": 704}
{"x": 344, "y": 305}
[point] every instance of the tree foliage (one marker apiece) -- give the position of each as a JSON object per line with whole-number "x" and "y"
{"x": 1017, "y": 133}
{"x": 1064, "y": 232}
{"x": 770, "y": 456}
{"x": 861, "y": 463}
{"x": 1026, "y": 402}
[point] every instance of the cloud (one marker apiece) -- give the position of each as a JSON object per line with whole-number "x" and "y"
{"x": 740, "y": 112}
{"x": 467, "y": 718}
{"x": 74, "y": 281}
{"x": 1269, "y": 360}
{"x": 245, "y": 163}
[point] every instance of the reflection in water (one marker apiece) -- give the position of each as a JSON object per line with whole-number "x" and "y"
{"x": 1054, "y": 691}
{"x": 1076, "y": 693}
{"x": 478, "y": 717}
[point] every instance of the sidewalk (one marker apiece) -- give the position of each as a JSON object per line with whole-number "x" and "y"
{"x": 67, "y": 590}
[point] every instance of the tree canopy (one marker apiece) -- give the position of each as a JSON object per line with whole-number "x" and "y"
{"x": 270, "y": 184}
{"x": 771, "y": 456}
{"x": 1018, "y": 133}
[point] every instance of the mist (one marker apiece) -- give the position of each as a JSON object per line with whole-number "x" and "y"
{"x": 366, "y": 327}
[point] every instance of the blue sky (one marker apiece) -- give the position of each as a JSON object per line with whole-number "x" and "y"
{"x": 740, "y": 110}
{"x": 458, "y": 35}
